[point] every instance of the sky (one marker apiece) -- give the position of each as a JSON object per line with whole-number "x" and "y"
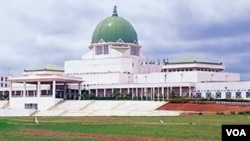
{"x": 36, "y": 34}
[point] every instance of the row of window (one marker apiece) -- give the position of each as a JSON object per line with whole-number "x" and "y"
{"x": 83, "y": 73}
{"x": 3, "y": 79}
{"x": 135, "y": 51}
{"x": 3, "y": 85}
{"x": 119, "y": 45}
{"x": 228, "y": 95}
{"x": 242, "y": 90}
{"x": 30, "y": 106}
{"x": 104, "y": 49}
{"x": 189, "y": 69}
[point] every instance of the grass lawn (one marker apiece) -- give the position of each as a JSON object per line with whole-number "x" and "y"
{"x": 195, "y": 127}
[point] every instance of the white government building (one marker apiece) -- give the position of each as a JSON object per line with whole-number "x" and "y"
{"x": 115, "y": 64}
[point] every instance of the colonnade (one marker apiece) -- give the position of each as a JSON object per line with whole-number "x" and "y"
{"x": 153, "y": 93}
{"x": 49, "y": 91}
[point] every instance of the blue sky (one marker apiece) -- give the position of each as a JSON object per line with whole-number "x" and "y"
{"x": 36, "y": 33}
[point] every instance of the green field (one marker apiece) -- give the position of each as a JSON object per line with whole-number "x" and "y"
{"x": 195, "y": 127}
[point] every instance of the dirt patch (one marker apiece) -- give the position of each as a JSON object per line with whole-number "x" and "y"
{"x": 204, "y": 108}
{"x": 100, "y": 137}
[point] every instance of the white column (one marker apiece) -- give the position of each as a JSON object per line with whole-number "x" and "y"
{"x": 38, "y": 89}
{"x": 96, "y": 92}
{"x": 64, "y": 91}
{"x": 142, "y": 93}
{"x": 54, "y": 89}
{"x": 79, "y": 91}
{"x": 171, "y": 91}
{"x": 167, "y": 93}
{"x": 147, "y": 92}
{"x": 89, "y": 91}
{"x": 132, "y": 93}
{"x": 180, "y": 91}
{"x": 136, "y": 93}
{"x": 104, "y": 92}
{"x": 70, "y": 92}
{"x": 162, "y": 93}
{"x": 10, "y": 90}
{"x": 189, "y": 91}
{"x": 158, "y": 93}
{"x": 24, "y": 89}
{"x": 153, "y": 93}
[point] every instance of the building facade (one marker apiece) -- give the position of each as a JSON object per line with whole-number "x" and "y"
{"x": 3, "y": 80}
{"x": 4, "y": 87}
{"x": 115, "y": 64}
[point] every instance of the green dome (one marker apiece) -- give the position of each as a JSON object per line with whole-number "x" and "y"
{"x": 114, "y": 28}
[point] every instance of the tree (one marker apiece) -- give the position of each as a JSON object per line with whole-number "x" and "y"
{"x": 5, "y": 95}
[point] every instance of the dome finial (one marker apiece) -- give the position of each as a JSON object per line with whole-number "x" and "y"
{"x": 115, "y": 11}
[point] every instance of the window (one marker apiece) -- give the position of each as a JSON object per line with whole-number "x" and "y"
{"x": 30, "y": 106}
{"x": 1, "y": 78}
{"x": 208, "y": 95}
{"x": 101, "y": 50}
{"x": 248, "y": 94}
{"x": 135, "y": 51}
{"x": 198, "y": 95}
{"x": 218, "y": 94}
{"x": 106, "y": 49}
{"x": 238, "y": 94}
{"x": 228, "y": 94}
{"x": 98, "y": 50}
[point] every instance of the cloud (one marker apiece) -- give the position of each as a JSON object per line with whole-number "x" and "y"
{"x": 37, "y": 33}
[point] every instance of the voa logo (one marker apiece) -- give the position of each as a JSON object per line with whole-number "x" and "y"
{"x": 236, "y": 132}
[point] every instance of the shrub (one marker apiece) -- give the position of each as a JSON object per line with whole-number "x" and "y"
{"x": 219, "y": 113}
{"x": 232, "y": 112}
